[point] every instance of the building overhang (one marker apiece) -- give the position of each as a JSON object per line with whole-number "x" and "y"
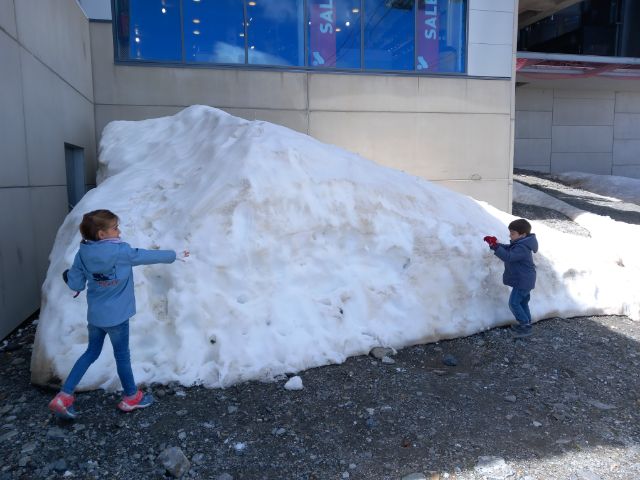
{"x": 558, "y": 66}
{"x": 530, "y": 11}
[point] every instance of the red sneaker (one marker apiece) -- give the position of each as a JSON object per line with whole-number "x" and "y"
{"x": 62, "y": 406}
{"x": 138, "y": 400}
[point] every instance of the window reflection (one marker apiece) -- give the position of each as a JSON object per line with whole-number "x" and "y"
{"x": 149, "y": 30}
{"x": 214, "y": 31}
{"x": 334, "y": 33}
{"x": 275, "y": 32}
{"x": 427, "y": 36}
{"x": 441, "y": 35}
{"x": 389, "y": 34}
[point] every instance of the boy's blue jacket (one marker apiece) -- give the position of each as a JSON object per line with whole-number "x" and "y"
{"x": 519, "y": 269}
{"x": 105, "y": 267}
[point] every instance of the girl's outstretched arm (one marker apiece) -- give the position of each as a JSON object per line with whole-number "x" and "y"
{"x": 140, "y": 256}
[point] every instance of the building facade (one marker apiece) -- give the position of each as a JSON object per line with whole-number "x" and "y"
{"x": 423, "y": 86}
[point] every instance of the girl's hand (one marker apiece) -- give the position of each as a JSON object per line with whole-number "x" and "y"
{"x": 185, "y": 253}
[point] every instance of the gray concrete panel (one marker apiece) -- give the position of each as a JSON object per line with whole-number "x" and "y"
{"x": 626, "y": 152}
{"x": 494, "y": 5}
{"x": 408, "y": 94}
{"x": 597, "y": 163}
{"x": 13, "y": 151}
{"x": 532, "y": 151}
{"x": 534, "y": 99}
{"x": 49, "y": 206}
{"x": 55, "y": 113}
{"x": 181, "y": 86}
{"x": 490, "y": 60}
{"x": 531, "y": 124}
{"x": 19, "y": 289}
{"x": 632, "y": 171}
{"x": 627, "y": 126}
{"x": 495, "y": 192}
{"x": 627, "y": 102}
{"x": 583, "y": 111}
{"x": 494, "y": 27}
{"x": 430, "y": 145}
{"x": 8, "y": 17}
{"x": 57, "y": 33}
{"x": 583, "y": 93}
{"x": 585, "y": 139}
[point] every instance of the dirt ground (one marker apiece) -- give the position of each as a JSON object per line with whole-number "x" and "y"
{"x": 562, "y": 404}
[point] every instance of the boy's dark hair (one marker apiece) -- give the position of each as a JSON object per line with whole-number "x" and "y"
{"x": 521, "y": 226}
{"x": 95, "y": 221}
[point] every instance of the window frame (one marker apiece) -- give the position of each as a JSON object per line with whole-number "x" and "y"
{"x": 280, "y": 68}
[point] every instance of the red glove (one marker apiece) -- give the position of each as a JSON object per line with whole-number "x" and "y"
{"x": 492, "y": 241}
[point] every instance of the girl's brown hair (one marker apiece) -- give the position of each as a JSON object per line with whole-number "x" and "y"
{"x": 95, "y": 221}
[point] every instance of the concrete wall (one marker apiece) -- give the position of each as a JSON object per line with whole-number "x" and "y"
{"x": 453, "y": 130}
{"x": 593, "y": 131}
{"x": 46, "y": 100}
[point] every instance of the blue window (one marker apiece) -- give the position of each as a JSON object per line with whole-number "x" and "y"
{"x": 389, "y": 30}
{"x": 334, "y": 33}
{"x": 441, "y": 36}
{"x": 424, "y": 36}
{"x": 149, "y": 30}
{"x": 214, "y": 31}
{"x": 275, "y": 32}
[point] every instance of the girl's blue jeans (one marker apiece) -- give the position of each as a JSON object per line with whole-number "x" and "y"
{"x": 519, "y": 306}
{"x": 119, "y": 336}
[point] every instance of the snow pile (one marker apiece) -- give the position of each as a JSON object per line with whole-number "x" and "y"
{"x": 301, "y": 254}
{"x": 623, "y": 188}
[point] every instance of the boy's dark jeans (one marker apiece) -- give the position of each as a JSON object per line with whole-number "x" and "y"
{"x": 519, "y": 306}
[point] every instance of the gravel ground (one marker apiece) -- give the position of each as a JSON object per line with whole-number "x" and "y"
{"x": 562, "y": 404}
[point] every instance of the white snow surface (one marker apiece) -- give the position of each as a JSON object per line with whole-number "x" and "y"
{"x": 622, "y": 188}
{"x": 302, "y": 254}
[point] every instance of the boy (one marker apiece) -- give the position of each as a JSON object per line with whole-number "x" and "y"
{"x": 519, "y": 271}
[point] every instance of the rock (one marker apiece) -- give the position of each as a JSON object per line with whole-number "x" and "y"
{"x": 29, "y": 447}
{"x": 584, "y": 475}
{"x": 174, "y": 461}
{"x": 24, "y": 461}
{"x": 56, "y": 433}
{"x": 450, "y": 360}
{"x": 182, "y": 436}
{"x": 17, "y": 361}
{"x": 388, "y": 360}
{"x": 6, "y": 409}
{"x": 493, "y": 468}
{"x": 600, "y": 405}
{"x": 9, "y": 435}
{"x": 224, "y": 476}
{"x": 415, "y": 476}
{"x": 181, "y": 413}
{"x": 536, "y": 424}
{"x": 198, "y": 458}
{"x": 232, "y": 409}
{"x": 510, "y": 398}
{"x": 294, "y": 383}
{"x": 60, "y": 465}
{"x": 381, "y": 352}
{"x": 278, "y": 431}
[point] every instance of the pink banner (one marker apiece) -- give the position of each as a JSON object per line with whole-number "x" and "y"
{"x": 427, "y": 31}
{"x": 322, "y": 48}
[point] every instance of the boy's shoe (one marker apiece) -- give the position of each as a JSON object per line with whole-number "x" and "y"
{"x": 62, "y": 406}
{"x": 138, "y": 400}
{"x": 521, "y": 331}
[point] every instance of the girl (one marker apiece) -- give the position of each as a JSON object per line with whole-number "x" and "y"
{"x": 103, "y": 263}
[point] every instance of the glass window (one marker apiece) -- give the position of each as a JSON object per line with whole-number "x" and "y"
{"x": 213, "y": 31}
{"x": 441, "y": 28}
{"x": 275, "y": 32}
{"x": 334, "y": 33}
{"x": 149, "y": 30}
{"x": 389, "y": 30}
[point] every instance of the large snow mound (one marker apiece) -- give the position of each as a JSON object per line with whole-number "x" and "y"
{"x": 302, "y": 254}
